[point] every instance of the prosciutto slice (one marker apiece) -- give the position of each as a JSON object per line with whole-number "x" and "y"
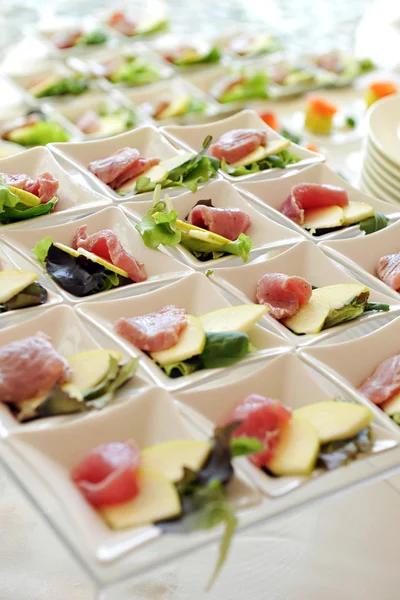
{"x": 44, "y": 186}
{"x": 89, "y": 122}
{"x": 238, "y": 143}
{"x": 67, "y": 39}
{"x": 155, "y": 331}
{"x": 228, "y": 222}
{"x": 389, "y": 270}
{"x": 283, "y": 294}
{"x": 304, "y": 196}
{"x": 122, "y": 166}
{"x": 122, "y": 23}
{"x": 108, "y": 474}
{"x": 29, "y": 368}
{"x": 106, "y": 244}
{"x": 384, "y": 381}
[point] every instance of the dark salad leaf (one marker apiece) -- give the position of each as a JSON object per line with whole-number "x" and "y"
{"x": 33, "y": 295}
{"x": 341, "y": 452}
{"x": 373, "y": 224}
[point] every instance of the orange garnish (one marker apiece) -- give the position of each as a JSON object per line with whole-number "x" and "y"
{"x": 321, "y": 107}
{"x": 383, "y": 88}
{"x": 270, "y": 119}
{"x": 313, "y": 148}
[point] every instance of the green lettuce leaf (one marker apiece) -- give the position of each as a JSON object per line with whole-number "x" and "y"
{"x": 278, "y": 161}
{"x": 21, "y": 212}
{"x": 158, "y": 227}
{"x": 243, "y": 446}
{"x": 213, "y": 56}
{"x": 375, "y": 223}
{"x": 7, "y": 198}
{"x": 39, "y": 134}
{"x": 93, "y": 38}
{"x": 41, "y": 249}
{"x": 224, "y": 349}
{"x": 208, "y": 251}
{"x": 73, "y": 85}
{"x": 255, "y": 86}
{"x": 135, "y": 71}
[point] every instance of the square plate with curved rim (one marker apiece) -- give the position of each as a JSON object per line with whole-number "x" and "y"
{"x": 69, "y": 336}
{"x": 305, "y": 260}
{"x": 197, "y": 295}
{"x": 74, "y": 199}
{"x": 192, "y": 137}
{"x": 362, "y": 255}
{"x": 350, "y": 363}
{"x": 159, "y": 266}
{"x": 263, "y": 232}
{"x": 285, "y": 378}
{"x": 269, "y": 196}
{"x": 149, "y": 418}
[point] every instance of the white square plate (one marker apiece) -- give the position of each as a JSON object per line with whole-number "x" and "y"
{"x": 69, "y": 336}
{"x": 74, "y": 199}
{"x": 304, "y": 260}
{"x": 271, "y": 194}
{"x": 197, "y": 295}
{"x": 285, "y": 378}
{"x": 350, "y": 363}
{"x": 159, "y": 266}
{"x": 192, "y": 137}
{"x": 147, "y": 139}
{"x": 362, "y": 255}
{"x": 149, "y": 418}
{"x": 264, "y": 233}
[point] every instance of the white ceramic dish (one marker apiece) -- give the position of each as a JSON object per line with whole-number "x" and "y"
{"x": 377, "y": 157}
{"x": 150, "y": 96}
{"x": 86, "y": 24}
{"x": 96, "y": 101}
{"x": 74, "y": 199}
{"x": 144, "y": 15}
{"x": 192, "y": 137}
{"x": 368, "y": 186}
{"x": 8, "y": 149}
{"x": 159, "y": 266}
{"x": 285, "y": 378}
{"x": 197, "y": 295}
{"x": 304, "y": 260}
{"x": 382, "y": 175}
{"x": 147, "y": 139}
{"x": 68, "y": 336}
{"x": 362, "y": 255}
{"x": 269, "y": 196}
{"x": 375, "y": 182}
{"x": 225, "y": 41}
{"x": 350, "y": 363}
{"x": 264, "y": 233}
{"x": 384, "y": 127}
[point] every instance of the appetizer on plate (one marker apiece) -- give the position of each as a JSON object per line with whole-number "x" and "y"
{"x": 388, "y": 270}
{"x": 382, "y": 387}
{"x": 59, "y": 85}
{"x": 305, "y": 309}
{"x": 187, "y": 56}
{"x": 127, "y": 172}
{"x": 292, "y": 78}
{"x": 322, "y": 208}
{"x": 93, "y": 263}
{"x": 207, "y": 232}
{"x": 379, "y": 89}
{"x": 245, "y": 151}
{"x": 33, "y": 129}
{"x": 323, "y": 435}
{"x": 253, "y": 44}
{"x": 130, "y": 70}
{"x": 270, "y": 118}
{"x": 25, "y": 198}
{"x": 343, "y": 68}
{"x": 181, "y": 344}
{"x": 20, "y": 289}
{"x": 177, "y": 106}
{"x": 123, "y": 23}
{"x": 319, "y": 115}
{"x": 54, "y": 385}
{"x": 106, "y": 122}
{"x": 241, "y": 87}
{"x": 79, "y": 38}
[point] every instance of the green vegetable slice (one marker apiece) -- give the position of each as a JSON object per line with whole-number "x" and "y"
{"x": 375, "y": 223}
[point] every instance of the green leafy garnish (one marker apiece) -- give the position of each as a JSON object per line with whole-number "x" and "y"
{"x": 279, "y": 161}
{"x": 95, "y": 37}
{"x": 376, "y": 307}
{"x": 375, "y": 223}
{"x": 41, "y": 249}
{"x": 243, "y": 446}
{"x": 224, "y": 349}
{"x": 182, "y": 369}
{"x": 158, "y": 227}
{"x": 366, "y": 65}
{"x": 253, "y": 87}
{"x": 207, "y": 251}
{"x": 209, "y": 272}
{"x": 135, "y": 71}
{"x": 38, "y": 134}
{"x": 350, "y": 122}
{"x": 340, "y": 452}
{"x": 73, "y": 85}
{"x": 21, "y": 212}
{"x": 290, "y": 136}
{"x": 213, "y": 56}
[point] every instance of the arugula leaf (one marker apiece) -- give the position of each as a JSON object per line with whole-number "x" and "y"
{"x": 21, "y": 212}
{"x": 206, "y": 250}
{"x": 254, "y": 86}
{"x": 376, "y": 307}
{"x": 373, "y": 224}
{"x": 224, "y": 349}
{"x": 41, "y": 249}
{"x": 158, "y": 227}
{"x": 242, "y": 446}
{"x": 280, "y": 161}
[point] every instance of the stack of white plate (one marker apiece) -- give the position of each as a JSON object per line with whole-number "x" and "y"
{"x": 380, "y": 174}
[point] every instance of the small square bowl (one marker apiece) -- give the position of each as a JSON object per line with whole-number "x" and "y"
{"x": 272, "y": 50}
{"x": 305, "y": 260}
{"x": 149, "y": 418}
{"x": 97, "y": 101}
{"x": 361, "y": 255}
{"x": 74, "y": 199}
{"x": 167, "y": 45}
{"x": 11, "y": 261}
{"x": 197, "y": 295}
{"x": 192, "y": 137}
{"x": 147, "y": 139}
{"x": 349, "y": 363}
{"x": 160, "y": 267}
{"x": 285, "y": 378}
{"x": 150, "y": 97}
{"x": 269, "y": 196}
{"x": 69, "y": 336}
{"x": 263, "y": 232}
